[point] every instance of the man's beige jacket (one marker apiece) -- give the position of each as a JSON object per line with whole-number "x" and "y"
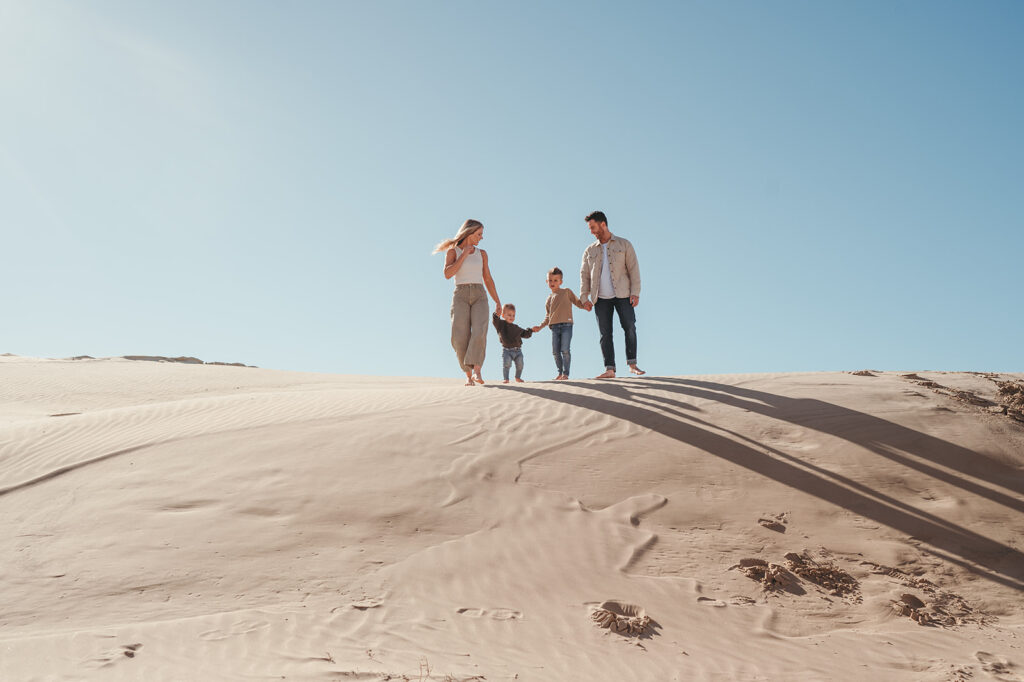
{"x": 625, "y": 270}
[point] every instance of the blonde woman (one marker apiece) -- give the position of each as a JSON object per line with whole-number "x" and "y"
{"x": 467, "y": 263}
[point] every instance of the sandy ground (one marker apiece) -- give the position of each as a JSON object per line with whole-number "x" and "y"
{"x": 165, "y": 521}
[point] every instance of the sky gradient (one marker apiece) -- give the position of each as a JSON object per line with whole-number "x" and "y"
{"x": 809, "y": 186}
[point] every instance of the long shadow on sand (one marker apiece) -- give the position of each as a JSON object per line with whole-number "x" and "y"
{"x": 883, "y": 437}
{"x": 952, "y": 542}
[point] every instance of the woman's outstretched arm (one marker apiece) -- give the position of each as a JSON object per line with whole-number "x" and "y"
{"x": 489, "y": 283}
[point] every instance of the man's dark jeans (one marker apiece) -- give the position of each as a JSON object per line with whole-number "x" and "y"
{"x": 627, "y": 318}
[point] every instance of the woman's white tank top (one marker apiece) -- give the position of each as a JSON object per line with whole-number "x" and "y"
{"x": 472, "y": 270}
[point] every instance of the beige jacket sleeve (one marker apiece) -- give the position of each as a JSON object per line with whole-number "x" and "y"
{"x": 632, "y": 270}
{"x": 585, "y": 268}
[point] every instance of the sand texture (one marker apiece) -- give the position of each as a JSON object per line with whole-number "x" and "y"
{"x": 182, "y": 521}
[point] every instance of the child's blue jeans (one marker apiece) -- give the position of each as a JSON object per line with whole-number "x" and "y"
{"x": 508, "y": 356}
{"x": 561, "y": 337}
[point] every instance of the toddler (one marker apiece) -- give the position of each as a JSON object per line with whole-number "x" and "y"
{"x": 511, "y": 336}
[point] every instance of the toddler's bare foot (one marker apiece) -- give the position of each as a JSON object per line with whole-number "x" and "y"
{"x": 636, "y": 370}
{"x": 608, "y": 374}
{"x": 519, "y": 381}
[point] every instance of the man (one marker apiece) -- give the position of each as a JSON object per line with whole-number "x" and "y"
{"x": 610, "y": 275}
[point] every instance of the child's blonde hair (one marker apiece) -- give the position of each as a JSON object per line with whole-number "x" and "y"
{"x": 468, "y": 228}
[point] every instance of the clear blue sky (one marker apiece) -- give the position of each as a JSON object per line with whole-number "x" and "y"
{"x": 809, "y": 185}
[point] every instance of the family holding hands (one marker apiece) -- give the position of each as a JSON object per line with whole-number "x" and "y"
{"x": 609, "y": 285}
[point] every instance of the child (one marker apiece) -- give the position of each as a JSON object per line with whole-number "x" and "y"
{"x": 511, "y": 336}
{"x": 559, "y": 316}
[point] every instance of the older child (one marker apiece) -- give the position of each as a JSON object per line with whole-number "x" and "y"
{"x": 559, "y": 317}
{"x": 511, "y": 336}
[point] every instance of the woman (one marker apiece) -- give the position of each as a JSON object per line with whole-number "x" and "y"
{"x": 467, "y": 263}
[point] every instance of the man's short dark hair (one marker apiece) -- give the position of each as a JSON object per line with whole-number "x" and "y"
{"x": 555, "y": 271}
{"x": 598, "y": 216}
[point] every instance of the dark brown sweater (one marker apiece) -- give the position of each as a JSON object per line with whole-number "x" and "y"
{"x": 511, "y": 335}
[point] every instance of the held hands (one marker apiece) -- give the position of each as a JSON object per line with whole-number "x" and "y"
{"x": 535, "y": 329}
{"x": 588, "y": 306}
{"x": 497, "y": 309}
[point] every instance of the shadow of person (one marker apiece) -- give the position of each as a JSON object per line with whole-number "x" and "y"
{"x": 897, "y": 443}
{"x": 950, "y": 541}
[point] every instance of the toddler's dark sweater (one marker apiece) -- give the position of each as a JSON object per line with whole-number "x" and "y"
{"x": 511, "y": 335}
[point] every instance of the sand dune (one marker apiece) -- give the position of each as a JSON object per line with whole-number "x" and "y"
{"x": 180, "y": 521}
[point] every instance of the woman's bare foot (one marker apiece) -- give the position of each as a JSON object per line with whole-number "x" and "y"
{"x": 477, "y": 378}
{"x": 608, "y": 374}
{"x": 519, "y": 381}
{"x": 636, "y": 370}
{"x": 469, "y": 379}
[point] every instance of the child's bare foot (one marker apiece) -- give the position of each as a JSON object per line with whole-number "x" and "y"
{"x": 636, "y": 370}
{"x": 608, "y": 374}
{"x": 519, "y": 381}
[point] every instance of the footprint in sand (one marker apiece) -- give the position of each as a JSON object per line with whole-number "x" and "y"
{"x": 496, "y": 614}
{"x": 999, "y": 667}
{"x": 622, "y": 618}
{"x": 708, "y": 601}
{"x": 242, "y": 627}
{"x": 776, "y": 522}
{"x": 361, "y": 605}
{"x": 112, "y": 656}
{"x": 734, "y": 601}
